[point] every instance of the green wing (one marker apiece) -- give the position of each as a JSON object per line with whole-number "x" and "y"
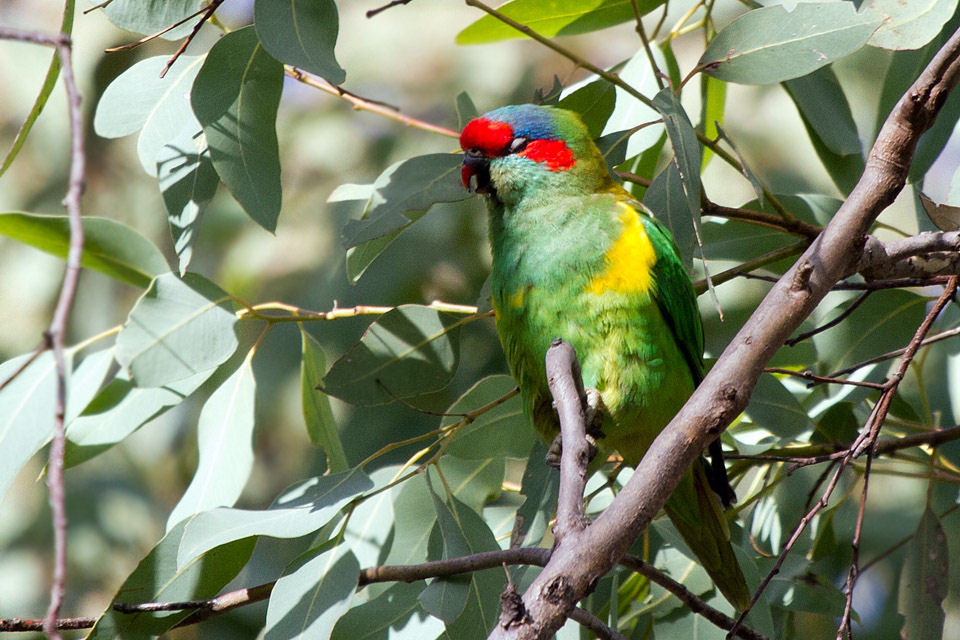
{"x": 674, "y": 294}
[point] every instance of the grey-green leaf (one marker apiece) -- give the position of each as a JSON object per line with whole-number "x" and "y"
{"x": 302, "y": 34}
{"x": 924, "y": 581}
{"x": 235, "y": 97}
{"x": 158, "y": 578}
{"x": 772, "y": 44}
{"x": 409, "y": 351}
{"x": 321, "y": 425}
{"x": 224, "y": 444}
{"x": 140, "y": 100}
{"x": 301, "y": 510}
{"x": 382, "y": 617}
{"x": 945, "y": 216}
{"x": 120, "y": 409}
{"x": 501, "y": 431}
{"x": 401, "y": 194}
{"x": 109, "y": 247}
{"x": 667, "y": 199}
{"x": 309, "y": 599}
{"x": 188, "y": 182}
{"x": 910, "y": 25}
{"x": 177, "y": 329}
{"x": 151, "y": 16}
{"x": 775, "y": 409}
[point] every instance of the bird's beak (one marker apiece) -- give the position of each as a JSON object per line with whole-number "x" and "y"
{"x": 475, "y": 172}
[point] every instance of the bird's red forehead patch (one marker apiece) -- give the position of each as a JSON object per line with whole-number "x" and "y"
{"x": 553, "y": 153}
{"x": 489, "y": 136}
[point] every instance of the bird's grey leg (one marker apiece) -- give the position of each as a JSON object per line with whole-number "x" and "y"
{"x": 594, "y": 421}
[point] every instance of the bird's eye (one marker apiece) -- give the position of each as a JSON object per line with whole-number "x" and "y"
{"x": 517, "y": 145}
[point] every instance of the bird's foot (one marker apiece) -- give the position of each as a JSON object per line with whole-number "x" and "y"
{"x": 593, "y": 415}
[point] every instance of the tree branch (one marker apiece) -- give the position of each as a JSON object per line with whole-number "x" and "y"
{"x": 573, "y": 570}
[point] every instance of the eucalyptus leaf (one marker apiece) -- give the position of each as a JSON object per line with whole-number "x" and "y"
{"x": 321, "y": 425}
{"x": 109, "y": 247}
{"x": 300, "y": 510}
{"x": 224, "y": 444}
{"x": 775, "y": 409}
{"x": 177, "y": 329}
{"x": 946, "y": 217}
{"x": 408, "y": 351}
{"x": 383, "y": 617}
{"x": 140, "y": 100}
{"x": 556, "y": 18}
{"x": 910, "y": 25}
{"x": 772, "y": 44}
{"x": 302, "y": 34}
{"x": 235, "y": 97}
{"x": 309, "y": 598}
{"x": 159, "y": 578}
{"x": 501, "y": 431}
{"x": 151, "y": 16}
{"x": 187, "y": 182}
{"x": 924, "y": 581}
{"x": 667, "y": 199}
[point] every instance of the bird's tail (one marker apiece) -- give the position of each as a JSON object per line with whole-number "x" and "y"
{"x": 696, "y": 513}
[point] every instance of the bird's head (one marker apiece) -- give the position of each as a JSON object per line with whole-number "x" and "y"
{"x": 519, "y": 150}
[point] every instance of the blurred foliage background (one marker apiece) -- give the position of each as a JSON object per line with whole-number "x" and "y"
{"x": 118, "y": 504}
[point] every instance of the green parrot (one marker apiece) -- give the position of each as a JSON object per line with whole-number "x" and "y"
{"x": 576, "y": 257}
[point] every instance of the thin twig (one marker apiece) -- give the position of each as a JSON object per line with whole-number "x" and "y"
{"x": 154, "y": 36}
{"x": 389, "y": 5}
{"x": 762, "y": 218}
{"x": 364, "y": 104}
{"x": 815, "y": 379}
{"x": 595, "y": 624}
{"x": 943, "y": 335}
{"x": 54, "y": 336}
{"x": 754, "y": 263}
{"x": 832, "y": 323}
{"x": 207, "y": 14}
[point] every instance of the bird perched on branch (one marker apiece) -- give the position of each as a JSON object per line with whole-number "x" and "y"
{"x": 576, "y": 257}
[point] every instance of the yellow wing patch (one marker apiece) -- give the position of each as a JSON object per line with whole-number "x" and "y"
{"x": 629, "y": 260}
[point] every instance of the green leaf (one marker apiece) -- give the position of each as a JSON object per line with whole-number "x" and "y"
{"x": 177, "y": 329}
{"x": 28, "y": 402}
{"x": 910, "y": 25}
{"x": 321, "y": 425}
{"x": 714, "y": 94}
{"x": 838, "y": 425}
{"x": 468, "y": 604}
{"x": 594, "y": 102}
{"x": 924, "y": 581}
{"x": 631, "y": 112}
{"x": 735, "y": 240}
{"x": 140, "y": 100}
{"x": 772, "y": 44}
{"x": 553, "y": 18}
{"x": 158, "y": 578}
{"x": 539, "y": 486}
{"x": 686, "y": 147}
{"x": 188, "y": 182}
{"x": 302, "y": 34}
{"x": 120, "y": 409}
{"x": 235, "y": 97}
{"x": 49, "y": 82}
{"x": 300, "y": 510}
{"x": 501, "y": 432}
{"x": 886, "y": 321}
{"x": 828, "y": 120}
{"x": 382, "y": 617}
{"x": 776, "y": 410}
{"x": 824, "y": 107}
{"x": 368, "y": 529}
{"x": 309, "y": 599}
{"x": 946, "y": 217}
{"x": 224, "y": 435}
{"x": 667, "y": 199}
{"x": 108, "y": 247}
{"x": 466, "y": 110}
{"x": 150, "y": 16}
{"x": 409, "y": 351}
{"x": 362, "y": 256}
{"x": 401, "y": 194}
{"x": 414, "y": 517}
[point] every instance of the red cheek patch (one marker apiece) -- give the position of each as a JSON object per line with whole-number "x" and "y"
{"x": 489, "y": 136}
{"x": 553, "y": 153}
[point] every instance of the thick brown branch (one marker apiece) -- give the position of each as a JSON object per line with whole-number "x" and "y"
{"x": 726, "y": 389}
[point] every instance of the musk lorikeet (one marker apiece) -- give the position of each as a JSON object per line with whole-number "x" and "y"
{"x": 576, "y": 257}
